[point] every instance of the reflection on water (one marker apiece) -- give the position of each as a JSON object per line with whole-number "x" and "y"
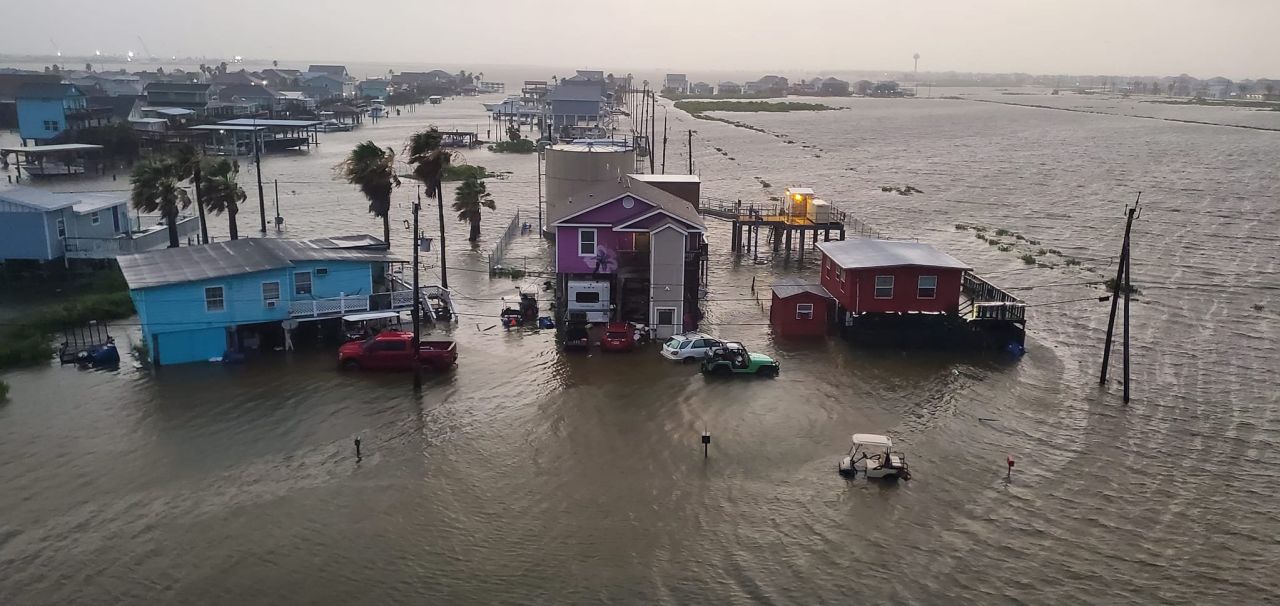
{"x": 530, "y": 476}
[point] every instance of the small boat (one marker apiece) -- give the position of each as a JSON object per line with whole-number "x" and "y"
{"x": 518, "y": 311}
{"x": 333, "y": 126}
{"x": 873, "y": 455}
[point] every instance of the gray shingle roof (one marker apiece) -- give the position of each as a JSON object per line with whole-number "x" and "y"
{"x": 789, "y": 287}
{"x": 857, "y": 254}
{"x": 231, "y": 258}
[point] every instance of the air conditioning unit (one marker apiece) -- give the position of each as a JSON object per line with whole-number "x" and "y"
{"x": 322, "y": 271}
{"x": 271, "y": 303}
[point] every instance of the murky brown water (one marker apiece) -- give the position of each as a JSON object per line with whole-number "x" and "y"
{"x": 528, "y": 476}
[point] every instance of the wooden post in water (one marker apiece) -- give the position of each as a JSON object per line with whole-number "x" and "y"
{"x": 1115, "y": 296}
{"x": 1128, "y": 260}
{"x": 417, "y": 314}
{"x": 691, "y": 151}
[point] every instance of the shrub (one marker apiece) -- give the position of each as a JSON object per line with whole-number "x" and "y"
{"x": 1111, "y": 286}
{"x": 1003, "y": 232}
{"x": 523, "y": 146}
{"x": 961, "y": 227}
{"x": 1004, "y": 248}
{"x": 1042, "y": 252}
{"x": 1072, "y": 261}
{"x": 981, "y": 236}
{"x": 1054, "y": 251}
{"x": 1028, "y": 259}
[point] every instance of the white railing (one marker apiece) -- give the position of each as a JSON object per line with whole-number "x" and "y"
{"x": 336, "y": 306}
{"x": 152, "y": 238}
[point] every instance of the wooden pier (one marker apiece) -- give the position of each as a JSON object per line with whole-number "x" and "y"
{"x": 784, "y": 232}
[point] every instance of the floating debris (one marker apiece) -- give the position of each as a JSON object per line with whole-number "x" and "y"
{"x": 906, "y": 190}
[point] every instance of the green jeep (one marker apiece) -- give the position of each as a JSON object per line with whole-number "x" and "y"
{"x": 732, "y": 358}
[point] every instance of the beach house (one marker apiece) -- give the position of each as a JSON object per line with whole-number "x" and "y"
{"x": 37, "y": 225}
{"x": 629, "y": 251}
{"x": 47, "y": 109}
{"x": 199, "y": 302}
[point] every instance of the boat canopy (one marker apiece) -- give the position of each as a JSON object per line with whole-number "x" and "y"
{"x": 373, "y": 315}
{"x": 871, "y": 439}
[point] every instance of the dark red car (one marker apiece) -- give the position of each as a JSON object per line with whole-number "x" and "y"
{"x": 618, "y": 337}
{"x": 391, "y": 350}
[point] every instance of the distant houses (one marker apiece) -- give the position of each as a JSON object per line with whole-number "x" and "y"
{"x": 186, "y": 95}
{"x": 675, "y": 83}
{"x": 768, "y": 85}
{"x": 833, "y": 87}
{"x": 374, "y": 88}
{"x": 702, "y": 89}
{"x": 728, "y": 88}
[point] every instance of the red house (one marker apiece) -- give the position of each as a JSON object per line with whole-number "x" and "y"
{"x": 800, "y": 309}
{"x": 882, "y": 276}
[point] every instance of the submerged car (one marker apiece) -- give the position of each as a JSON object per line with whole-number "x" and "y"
{"x": 732, "y": 358}
{"x": 618, "y": 337}
{"x": 689, "y": 347}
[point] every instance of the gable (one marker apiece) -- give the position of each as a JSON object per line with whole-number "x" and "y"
{"x": 612, "y": 212}
{"x": 655, "y": 220}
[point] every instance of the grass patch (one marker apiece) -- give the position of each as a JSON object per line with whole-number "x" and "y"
{"x": 1004, "y": 248}
{"x": 1041, "y": 252}
{"x": 104, "y": 296}
{"x": 1072, "y": 261}
{"x": 1112, "y": 287}
{"x": 698, "y": 107}
{"x": 520, "y": 146}
{"x": 961, "y": 227}
{"x": 1028, "y": 259}
{"x": 981, "y": 236}
{"x": 1054, "y": 251}
{"x": 1003, "y": 232}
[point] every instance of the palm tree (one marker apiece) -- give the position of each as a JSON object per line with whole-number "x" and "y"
{"x": 470, "y": 197}
{"x": 157, "y": 188}
{"x": 429, "y": 161}
{"x": 372, "y": 169}
{"x": 189, "y": 161}
{"x": 221, "y": 191}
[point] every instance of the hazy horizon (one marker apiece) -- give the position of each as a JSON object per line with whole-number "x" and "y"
{"x": 1146, "y": 37}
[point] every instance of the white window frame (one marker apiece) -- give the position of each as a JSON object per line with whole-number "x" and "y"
{"x": 920, "y": 287}
{"x": 222, "y": 298}
{"x": 802, "y": 309}
{"x": 876, "y": 291}
{"x": 595, "y": 241}
{"x": 310, "y": 284}
{"x": 657, "y": 315}
{"x": 94, "y": 219}
{"x": 265, "y": 298}
{"x": 61, "y": 224}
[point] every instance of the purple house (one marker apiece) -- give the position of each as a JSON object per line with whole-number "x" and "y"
{"x": 628, "y": 251}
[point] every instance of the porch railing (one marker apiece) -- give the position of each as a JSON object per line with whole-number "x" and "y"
{"x": 990, "y": 302}
{"x": 335, "y": 306}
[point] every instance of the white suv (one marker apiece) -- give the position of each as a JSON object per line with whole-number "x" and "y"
{"x": 689, "y": 347}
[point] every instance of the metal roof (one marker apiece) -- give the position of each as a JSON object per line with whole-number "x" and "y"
{"x": 226, "y": 127}
{"x": 48, "y": 149}
{"x": 232, "y": 258}
{"x": 856, "y": 253}
{"x": 170, "y": 111}
{"x": 47, "y": 90}
{"x": 790, "y": 287}
{"x": 38, "y": 199}
{"x": 666, "y": 178}
{"x": 256, "y": 122}
{"x": 91, "y": 202}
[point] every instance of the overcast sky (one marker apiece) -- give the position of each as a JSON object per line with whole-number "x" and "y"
{"x": 1235, "y": 38}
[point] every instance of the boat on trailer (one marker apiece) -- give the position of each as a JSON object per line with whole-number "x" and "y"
{"x": 873, "y": 456}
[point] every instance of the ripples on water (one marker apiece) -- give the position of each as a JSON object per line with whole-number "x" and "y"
{"x": 528, "y": 476}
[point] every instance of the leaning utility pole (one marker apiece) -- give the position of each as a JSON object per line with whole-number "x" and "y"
{"x": 257, "y": 160}
{"x": 417, "y": 295}
{"x": 1122, "y": 281}
{"x": 664, "y": 140}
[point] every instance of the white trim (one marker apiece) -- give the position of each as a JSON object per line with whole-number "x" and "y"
{"x": 675, "y": 317}
{"x": 935, "y": 287}
{"x": 581, "y": 225}
{"x": 809, "y": 311}
{"x": 668, "y": 226}
{"x": 664, "y": 212}
{"x": 205, "y": 291}
{"x": 95, "y": 218}
{"x": 263, "y": 291}
{"x": 595, "y": 241}
{"x": 609, "y": 201}
{"x": 311, "y": 283}
{"x": 875, "y": 290}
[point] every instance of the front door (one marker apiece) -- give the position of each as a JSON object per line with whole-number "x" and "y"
{"x": 665, "y": 322}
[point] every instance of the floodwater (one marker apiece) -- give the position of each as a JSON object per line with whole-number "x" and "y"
{"x": 528, "y": 476}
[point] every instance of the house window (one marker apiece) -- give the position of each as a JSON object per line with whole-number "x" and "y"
{"x": 94, "y": 219}
{"x": 927, "y": 287}
{"x": 302, "y": 283}
{"x": 586, "y": 297}
{"x": 270, "y": 293}
{"x": 587, "y": 242}
{"x": 213, "y": 299}
{"x": 804, "y": 311}
{"x": 666, "y": 316}
{"x": 62, "y": 228}
{"x": 51, "y": 125}
{"x": 884, "y": 287}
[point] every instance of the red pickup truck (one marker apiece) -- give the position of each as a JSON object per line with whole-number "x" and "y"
{"x": 390, "y": 350}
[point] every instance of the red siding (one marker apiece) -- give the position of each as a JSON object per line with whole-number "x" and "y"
{"x": 857, "y": 292}
{"x": 782, "y": 315}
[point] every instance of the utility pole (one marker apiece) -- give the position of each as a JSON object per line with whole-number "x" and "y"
{"x": 664, "y": 140}
{"x": 444, "y": 275}
{"x": 278, "y": 218}
{"x": 691, "y": 151}
{"x": 653, "y": 127}
{"x": 1128, "y": 259}
{"x": 1121, "y": 282}
{"x": 257, "y": 160}
{"x": 417, "y": 299}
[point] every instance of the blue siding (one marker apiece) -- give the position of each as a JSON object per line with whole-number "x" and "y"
{"x": 32, "y": 114}
{"x": 81, "y": 226}
{"x": 189, "y": 332}
{"x": 23, "y": 235}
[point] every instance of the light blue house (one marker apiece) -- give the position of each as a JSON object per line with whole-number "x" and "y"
{"x": 37, "y": 225}
{"x": 199, "y": 302}
{"x": 375, "y": 88}
{"x": 576, "y": 103}
{"x": 46, "y": 109}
